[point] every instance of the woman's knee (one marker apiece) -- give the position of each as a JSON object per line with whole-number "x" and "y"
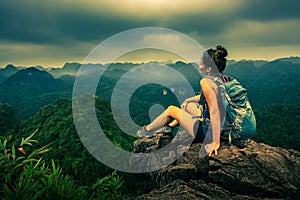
{"x": 193, "y": 108}
{"x": 171, "y": 110}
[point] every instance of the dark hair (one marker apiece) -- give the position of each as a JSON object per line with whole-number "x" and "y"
{"x": 215, "y": 57}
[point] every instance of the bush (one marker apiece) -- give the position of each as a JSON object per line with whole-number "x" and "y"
{"x": 24, "y": 175}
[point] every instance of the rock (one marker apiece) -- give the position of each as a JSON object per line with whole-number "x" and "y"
{"x": 190, "y": 190}
{"x": 146, "y": 145}
{"x": 258, "y": 171}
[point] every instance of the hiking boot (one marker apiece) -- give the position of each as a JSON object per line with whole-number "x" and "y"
{"x": 165, "y": 129}
{"x": 240, "y": 143}
{"x": 143, "y": 133}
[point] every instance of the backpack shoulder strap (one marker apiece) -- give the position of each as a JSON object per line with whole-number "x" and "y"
{"x": 228, "y": 78}
{"x": 218, "y": 80}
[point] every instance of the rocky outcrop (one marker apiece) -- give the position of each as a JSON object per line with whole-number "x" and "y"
{"x": 258, "y": 171}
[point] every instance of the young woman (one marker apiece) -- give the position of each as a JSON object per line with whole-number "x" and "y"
{"x": 212, "y": 63}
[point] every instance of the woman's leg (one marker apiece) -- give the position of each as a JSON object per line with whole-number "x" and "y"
{"x": 173, "y": 112}
{"x": 191, "y": 108}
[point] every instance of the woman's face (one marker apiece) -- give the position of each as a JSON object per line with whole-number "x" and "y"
{"x": 203, "y": 69}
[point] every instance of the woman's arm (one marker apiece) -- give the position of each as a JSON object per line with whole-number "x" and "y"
{"x": 214, "y": 112}
{"x": 189, "y": 100}
{"x": 193, "y": 99}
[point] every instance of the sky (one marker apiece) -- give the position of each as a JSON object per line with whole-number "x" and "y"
{"x": 52, "y": 32}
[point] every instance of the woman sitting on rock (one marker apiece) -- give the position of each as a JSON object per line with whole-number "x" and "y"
{"x": 212, "y": 63}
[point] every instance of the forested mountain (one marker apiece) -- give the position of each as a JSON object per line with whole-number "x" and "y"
{"x": 278, "y": 125}
{"x": 269, "y": 85}
{"x": 56, "y": 129}
{"x": 2, "y": 78}
{"x": 293, "y": 59}
{"x": 68, "y": 69}
{"x": 30, "y": 89}
{"x": 273, "y": 82}
{"x": 9, "y": 121}
{"x": 7, "y": 72}
{"x": 266, "y": 82}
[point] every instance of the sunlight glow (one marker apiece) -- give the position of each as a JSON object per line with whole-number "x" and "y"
{"x": 159, "y": 8}
{"x": 150, "y": 55}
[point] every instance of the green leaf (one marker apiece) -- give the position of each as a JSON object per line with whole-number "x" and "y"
{"x": 13, "y": 152}
{"x": 28, "y": 140}
{"x": 1, "y": 146}
{"x": 37, "y": 163}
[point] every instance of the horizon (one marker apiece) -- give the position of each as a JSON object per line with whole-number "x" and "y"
{"x": 142, "y": 62}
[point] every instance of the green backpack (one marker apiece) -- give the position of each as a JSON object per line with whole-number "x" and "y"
{"x": 240, "y": 122}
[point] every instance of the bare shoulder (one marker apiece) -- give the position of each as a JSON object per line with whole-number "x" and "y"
{"x": 207, "y": 82}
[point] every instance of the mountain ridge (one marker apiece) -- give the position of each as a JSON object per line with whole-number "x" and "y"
{"x": 293, "y": 59}
{"x": 29, "y": 87}
{"x": 270, "y": 82}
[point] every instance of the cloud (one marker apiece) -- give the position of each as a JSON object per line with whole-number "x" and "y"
{"x": 28, "y": 54}
{"x": 253, "y": 33}
{"x": 62, "y": 25}
{"x": 61, "y": 21}
{"x": 21, "y": 21}
{"x": 176, "y": 43}
{"x": 269, "y": 10}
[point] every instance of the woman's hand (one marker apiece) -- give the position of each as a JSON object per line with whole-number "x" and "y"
{"x": 184, "y": 105}
{"x": 212, "y": 147}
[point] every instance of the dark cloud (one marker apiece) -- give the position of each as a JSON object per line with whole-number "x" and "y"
{"x": 37, "y": 23}
{"x": 269, "y": 10}
{"x": 88, "y": 27}
{"x": 200, "y": 23}
{"x": 66, "y": 24}
{"x": 215, "y": 23}
{"x": 42, "y": 23}
{"x": 22, "y": 22}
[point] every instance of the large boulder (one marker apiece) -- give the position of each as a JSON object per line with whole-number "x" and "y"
{"x": 256, "y": 172}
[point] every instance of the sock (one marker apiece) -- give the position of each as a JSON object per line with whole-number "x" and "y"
{"x": 145, "y": 128}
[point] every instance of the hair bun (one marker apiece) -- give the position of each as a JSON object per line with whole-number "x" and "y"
{"x": 221, "y": 51}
